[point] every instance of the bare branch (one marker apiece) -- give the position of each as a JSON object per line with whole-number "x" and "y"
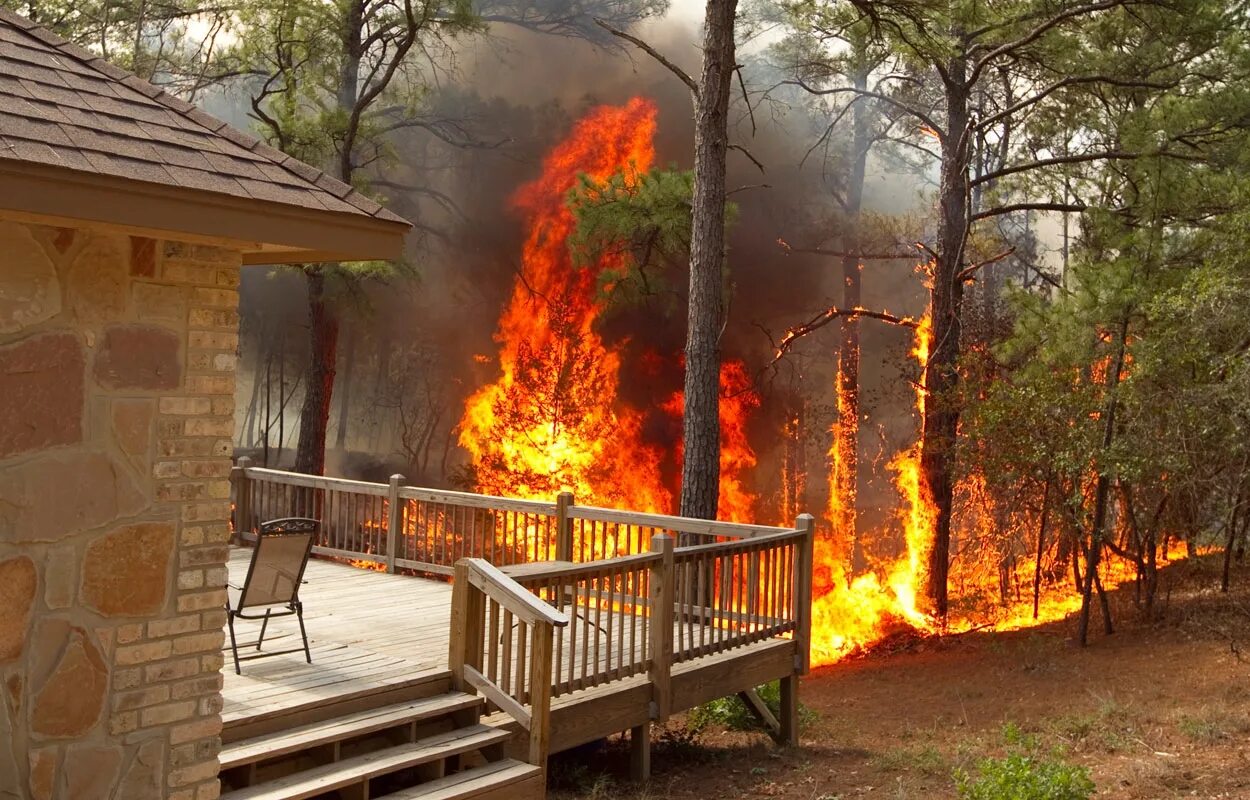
{"x": 829, "y": 315}
{"x": 747, "y": 153}
{"x": 924, "y": 118}
{"x": 966, "y": 273}
{"x": 651, "y": 51}
{"x": 1014, "y": 207}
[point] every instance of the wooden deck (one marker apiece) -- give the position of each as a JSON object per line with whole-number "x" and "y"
{"x": 370, "y": 633}
{"x": 379, "y": 636}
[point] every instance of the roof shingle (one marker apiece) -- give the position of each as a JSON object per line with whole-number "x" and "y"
{"x": 60, "y": 105}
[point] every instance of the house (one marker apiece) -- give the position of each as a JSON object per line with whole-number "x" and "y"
{"x": 125, "y": 217}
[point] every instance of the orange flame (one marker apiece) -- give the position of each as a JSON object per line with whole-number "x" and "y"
{"x": 552, "y": 421}
{"x": 848, "y": 618}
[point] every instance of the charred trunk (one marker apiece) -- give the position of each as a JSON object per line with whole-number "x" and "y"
{"x": 941, "y": 405}
{"x": 323, "y": 327}
{"x": 700, "y": 473}
{"x": 846, "y": 459}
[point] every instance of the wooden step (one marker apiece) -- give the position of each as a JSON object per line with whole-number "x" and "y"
{"x": 323, "y": 702}
{"x": 351, "y": 771}
{"x": 306, "y": 737}
{"x": 506, "y": 778}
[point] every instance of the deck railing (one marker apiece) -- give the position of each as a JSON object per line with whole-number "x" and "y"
{"x": 408, "y": 527}
{"x": 501, "y": 646}
{"x": 622, "y": 593}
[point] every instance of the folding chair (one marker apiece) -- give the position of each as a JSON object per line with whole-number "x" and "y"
{"x": 273, "y": 580}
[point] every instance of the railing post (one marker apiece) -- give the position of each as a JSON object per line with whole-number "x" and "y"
{"x": 464, "y": 647}
{"x": 395, "y": 521}
{"x": 540, "y": 694}
{"x": 661, "y": 627}
{"x": 803, "y": 592}
{"x": 564, "y": 527}
{"x": 242, "y": 498}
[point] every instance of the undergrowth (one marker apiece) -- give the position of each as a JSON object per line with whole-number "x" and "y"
{"x": 1026, "y": 772}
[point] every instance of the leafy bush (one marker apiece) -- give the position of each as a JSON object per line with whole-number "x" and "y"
{"x": 1025, "y": 773}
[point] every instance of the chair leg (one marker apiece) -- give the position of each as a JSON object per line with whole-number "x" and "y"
{"x": 264, "y": 624}
{"x": 234, "y": 645}
{"x": 299, "y": 614}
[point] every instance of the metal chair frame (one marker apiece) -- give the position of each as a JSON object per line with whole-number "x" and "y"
{"x": 287, "y": 526}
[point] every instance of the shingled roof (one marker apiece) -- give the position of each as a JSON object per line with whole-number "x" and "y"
{"x": 66, "y": 111}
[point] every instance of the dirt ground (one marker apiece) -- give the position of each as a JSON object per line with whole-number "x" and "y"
{"x": 1154, "y": 711}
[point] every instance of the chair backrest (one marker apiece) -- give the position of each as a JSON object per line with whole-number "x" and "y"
{"x": 278, "y": 561}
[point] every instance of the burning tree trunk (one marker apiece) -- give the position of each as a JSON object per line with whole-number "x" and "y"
{"x": 700, "y": 474}
{"x": 941, "y": 409}
{"x": 844, "y": 452}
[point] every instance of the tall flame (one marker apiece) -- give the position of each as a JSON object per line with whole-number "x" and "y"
{"x": 552, "y": 421}
{"x": 849, "y": 617}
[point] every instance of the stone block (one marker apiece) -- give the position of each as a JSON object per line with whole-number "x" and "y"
{"x": 155, "y": 301}
{"x": 60, "y": 577}
{"x": 142, "y": 357}
{"x": 42, "y": 773}
{"x": 70, "y": 702}
{"x": 30, "y": 291}
{"x": 142, "y": 777}
{"x": 41, "y": 393}
{"x": 53, "y": 496}
{"x": 132, "y": 425}
{"x": 19, "y": 582}
{"x": 98, "y": 279}
{"x": 126, "y": 571}
{"x": 142, "y": 256}
{"x": 171, "y": 670}
{"x": 90, "y": 771}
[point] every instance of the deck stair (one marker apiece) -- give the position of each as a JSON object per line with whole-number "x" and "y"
{"x": 433, "y": 748}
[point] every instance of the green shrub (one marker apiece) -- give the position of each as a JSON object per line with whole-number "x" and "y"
{"x": 1025, "y": 773}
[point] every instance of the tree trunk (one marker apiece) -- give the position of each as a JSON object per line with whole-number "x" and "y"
{"x": 345, "y": 390}
{"x": 941, "y": 403}
{"x": 700, "y": 472}
{"x": 323, "y": 328}
{"x": 310, "y": 457}
{"x": 845, "y": 478}
{"x": 1101, "y": 490}
{"x": 1041, "y": 546}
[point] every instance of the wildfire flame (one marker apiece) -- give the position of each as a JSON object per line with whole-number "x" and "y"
{"x": 552, "y": 421}
{"x": 849, "y": 615}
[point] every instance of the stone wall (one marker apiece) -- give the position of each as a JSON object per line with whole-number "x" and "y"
{"x": 117, "y": 359}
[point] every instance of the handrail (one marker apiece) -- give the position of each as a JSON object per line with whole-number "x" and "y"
{"x": 316, "y": 481}
{"x": 702, "y": 527}
{"x": 744, "y": 545}
{"x": 510, "y": 594}
{"x": 484, "y": 604}
{"x": 476, "y": 500}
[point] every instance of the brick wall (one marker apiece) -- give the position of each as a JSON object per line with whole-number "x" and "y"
{"x": 117, "y": 359}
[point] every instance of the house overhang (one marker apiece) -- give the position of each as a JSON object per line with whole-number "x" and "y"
{"x": 265, "y": 232}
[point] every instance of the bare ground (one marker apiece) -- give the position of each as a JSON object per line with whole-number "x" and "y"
{"x": 1154, "y": 711}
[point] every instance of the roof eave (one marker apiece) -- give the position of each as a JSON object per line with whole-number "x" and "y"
{"x": 266, "y": 232}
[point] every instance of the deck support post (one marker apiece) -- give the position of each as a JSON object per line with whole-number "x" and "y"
{"x": 640, "y": 752}
{"x": 789, "y": 733}
{"x": 564, "y": 527}
{"x": 242, "y": 498}
{"x": 395, "y": 520}
{"x": 803, "y": 594}
{"x": 661, "y": 628}
{"x": 467, "y": 616}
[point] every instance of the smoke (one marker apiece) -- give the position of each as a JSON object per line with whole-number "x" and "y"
{"x": 419, "y": 345}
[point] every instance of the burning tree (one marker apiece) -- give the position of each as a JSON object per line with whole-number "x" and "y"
{"x": 553, "y": 420}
